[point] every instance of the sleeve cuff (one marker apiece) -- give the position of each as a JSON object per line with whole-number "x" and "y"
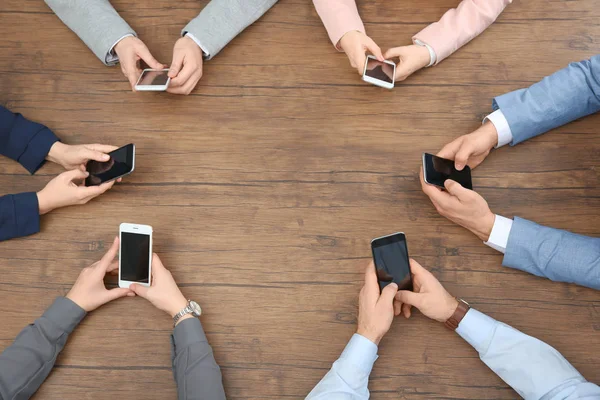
{"x": 500, "y": 122}
{"x": 188, "y": 332}
{"x": 477, "y": 329}
{"x": 37, "y": 149}
{"x": 197, "y": 41}
{"x": 27, "y": 213}
{"x": 432, "y": 55}
{"x": 111, "y": 57}
{"x": 360, "y": 352}
{"x": 65, "y": 314}
{"x": 500, "y": 232}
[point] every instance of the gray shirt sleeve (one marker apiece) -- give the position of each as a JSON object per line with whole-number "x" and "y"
{"x": 196, "y": 372}
{"x": 222, "y": 20}
{"x": 96, "y": 22}
{"x": 26, "y": 363}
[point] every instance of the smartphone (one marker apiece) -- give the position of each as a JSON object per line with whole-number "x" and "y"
{"x": 436, "y": 170}
{"x": 135, "y": 254}
{"x": 121, "y": 163}
{"x": 390, "y": 255}
{"x": 379, "y": 73}
{"x": 153, "y": 80}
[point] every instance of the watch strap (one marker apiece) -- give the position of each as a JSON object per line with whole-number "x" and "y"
{"x": 185, "y": 311}
{"x": 460, "y": 312}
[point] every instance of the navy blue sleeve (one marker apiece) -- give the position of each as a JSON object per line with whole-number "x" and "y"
{"x": 24, "y": 141}
{"x": 19, "y": 215}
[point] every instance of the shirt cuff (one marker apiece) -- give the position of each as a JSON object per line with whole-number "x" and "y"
{"x": 186, "y": 333}
{"x": 65, "y": 314}
{"x": 360, "y": 352}
{"x": 500, "y": 122}
{"x": 27, "y": 213}
{"x": 477, "y": 329}
{"x": 195, "y": 39}
{"x": 37, "y": 149}
{"x": 112, "y": 57}
{"x": 500, "y": 232}
{"x": 432, "y": 55}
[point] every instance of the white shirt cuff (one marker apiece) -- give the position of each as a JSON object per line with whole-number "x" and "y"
{"x": 477, "y": 329}
{"x": 195, "y": 39}
{"x": 500, "y": 233}
{"x": 505, "y": 135}
{"x": 432, "y": 55}
{"x": 112, "y": 57}
{"x": 360, "y": 352}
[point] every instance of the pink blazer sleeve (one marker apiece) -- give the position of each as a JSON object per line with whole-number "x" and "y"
{"x": 460, "y": 25}
{"x": 339, "y": 17}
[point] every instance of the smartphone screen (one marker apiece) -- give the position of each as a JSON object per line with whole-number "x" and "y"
{"x": 121, "y": 163}
{"x": 437, "y": 170}
{"x": 135, "y": 257}
{"x": 379, "y": 70}
{"x": 390, "y": 255}
{"x": 153, "y": 78}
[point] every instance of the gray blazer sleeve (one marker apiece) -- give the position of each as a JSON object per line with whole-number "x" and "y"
{"x": 26, "y": 363}
{"x": 196, "y": 372}
{"x": 96, "y": 22}
{"x": 222, "y": 20}
{"x": 553, "y": 253}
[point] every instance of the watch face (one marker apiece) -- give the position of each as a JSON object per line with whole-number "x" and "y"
{"x": 196, "y": 310}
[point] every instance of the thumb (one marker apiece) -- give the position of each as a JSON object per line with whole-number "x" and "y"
{"x": 462, "y": 157}
{"x": 75, "y": 174}
{"x": 454, "y": 188}
{"x": 139, "y": 290}
{"x": 388, "y": 293}
{"x": 176, "y": 64}
{"x": 394, "y": 52}
{"x": 117, "y": 293}
{"x": 408, "y": 297}
{"x": 374, "y": 49}
{"x": 148, "y": 58}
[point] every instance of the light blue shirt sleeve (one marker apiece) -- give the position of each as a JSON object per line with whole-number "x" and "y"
{"x": 348, "y": 378}
{"x": 532, "y": 368}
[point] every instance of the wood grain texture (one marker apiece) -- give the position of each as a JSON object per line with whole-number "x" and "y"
{"x": 265, "y": 186}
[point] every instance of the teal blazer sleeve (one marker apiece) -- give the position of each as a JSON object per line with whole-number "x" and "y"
{"x": 553, "y": 253}
{"x": 566, "y": 95}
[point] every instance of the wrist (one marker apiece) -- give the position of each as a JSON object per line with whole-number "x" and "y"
{"x": 484, "y": 229}
{"x": 43, "y": 205}
{"x": 423, "y": 55}
{"x": 346, "y": 37}
{"x": 449, "y": 308}
{"x": 488, "y": 129}
{"x": 77, "y": 301}
{"x": 373, "y": 337}
{"x": 177, "y": 306}
{"x": 56, "y": 152}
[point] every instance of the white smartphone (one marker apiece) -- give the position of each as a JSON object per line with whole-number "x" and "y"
{"x": 155, "y": 80}
{"x": 135, "y": 254}
{"x": 379, "y": 73}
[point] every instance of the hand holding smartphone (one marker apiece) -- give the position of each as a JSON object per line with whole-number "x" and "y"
{"x": 121, "y": 163}
{"x": 153, "y": 80}
{"x": 437, "y": 170}
{"x": 390, "y": 255}
{"x": 135, "y": 255}
{"x": 379, "y": 73}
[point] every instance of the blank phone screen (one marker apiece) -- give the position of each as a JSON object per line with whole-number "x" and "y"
{"x": 438, "y": 170}
{"x": 119, "y": 164}
{"x": 390, "y": 255}
{"x": 154, "y": 78}
{"x": 379, "y": 70}
{"x": 135, "y": 257}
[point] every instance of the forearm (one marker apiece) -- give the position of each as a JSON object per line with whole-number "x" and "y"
{"x": 460, "y": 25}
{"x": 19, "y": 215}
{"x": 339, "y": 18}
{"x": 96, "y": 23}
{"x": 26, "y": 363}
{"x": 24, "y": 141}
{"x": 222, "y": 20}
{"x": 558, "y": 99}
{"x": 349, "y": 375}
{"x": 553, "y": 253}
{"x": 532, "y": 368}
{"x": 197, "y": 374}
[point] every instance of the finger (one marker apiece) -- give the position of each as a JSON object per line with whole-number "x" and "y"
{"x": 74, "y": 175}
{"x": 90, "y": 192}
{"x": 91, "y": 154}
{"x": 371, "y": 286}
{"x": 406, "y": 310}
{"x": 113, "y": 267}
{"x": 404, "y": 69}
{"x": 455, "y": 189}
{"x": 397, "y": 307}
{"x": 116, "y": 293}
{"x": 449, "y": 151}
{"x": 107, "y": 260}
{"x": 359, "y": 61}
{"x": 184, "y": 75}
{"x": 144, "y": 54}
{"x": 139, "y": 290}
{"x": 417, "y": 269}
{"x": 394, "y": 52}
{"x": 409, "y": 298}
{"x": 388, "y": 293}
{"x": 462, "y": 156}
{"x": 131, "y": 71}
{"x": 103, "y": 148}
{"x": 374, "y": 49}
{"x": 177, "y": 63}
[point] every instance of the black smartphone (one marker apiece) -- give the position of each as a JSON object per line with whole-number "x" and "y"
{"x": 436, "y": 170}
{"x": 390, "y": 255}
{"x": 121, "y": 163}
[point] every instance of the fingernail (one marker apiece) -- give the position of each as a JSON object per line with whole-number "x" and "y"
{"x": 105, "y": 157}
{"x": 394, "y": 285}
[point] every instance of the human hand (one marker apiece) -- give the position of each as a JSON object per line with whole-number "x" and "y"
{"x": 429, "y": 296}
{"x": 375, "y": 309}
{"x": 77, "y": 156}
{"x": 412, "y": 59}
{"x": 186, "y": 68}
{"x": 130, "y": 51}
{"x": 89, "y": 291}
{"x": 64, "y": 191}
{"x": 471, "y": 149}
{"x": 163, "y": 293}
{"x": 462, "y": 206}
{"x": 356, "y": 44}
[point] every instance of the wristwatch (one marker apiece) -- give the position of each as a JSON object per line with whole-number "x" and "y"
{"x": 191, "y": 308}
{"x": 459, "y": 314}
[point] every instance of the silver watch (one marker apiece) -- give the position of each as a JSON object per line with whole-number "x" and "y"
{"x": 191, "y": 308}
